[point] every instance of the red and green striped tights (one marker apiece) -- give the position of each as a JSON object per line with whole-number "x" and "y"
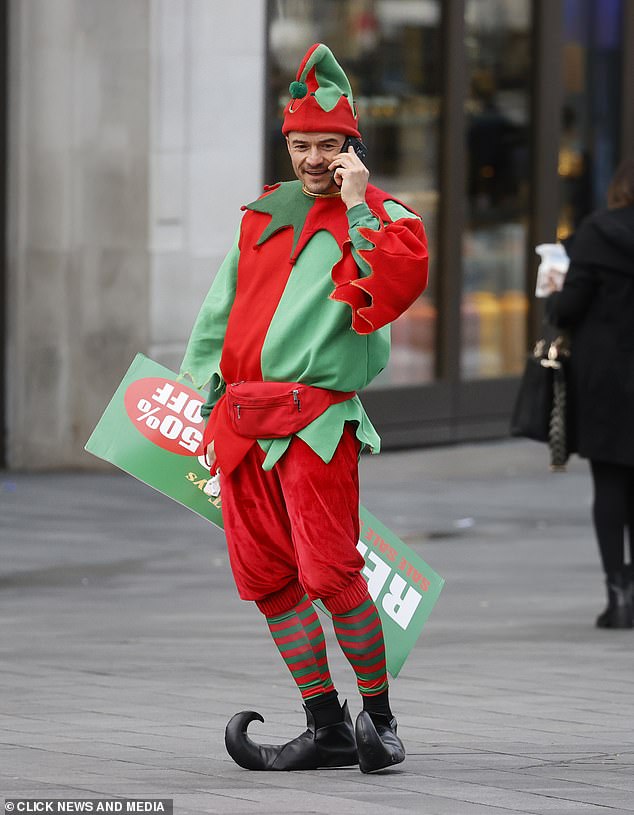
{"x": 300, "y": 640}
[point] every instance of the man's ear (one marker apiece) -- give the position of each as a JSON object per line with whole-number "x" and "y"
{"x": 288, "y": 145}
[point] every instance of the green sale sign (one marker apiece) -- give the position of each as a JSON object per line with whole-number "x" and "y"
{"x": 153, "y": 430}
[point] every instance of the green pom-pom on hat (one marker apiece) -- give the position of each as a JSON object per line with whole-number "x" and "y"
{"x": 298, "y": 90}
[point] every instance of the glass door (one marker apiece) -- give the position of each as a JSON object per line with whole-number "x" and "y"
{"x": 494, "y": 305}
{"x": 391, "y": 53}
{"x": 590, "y": 115}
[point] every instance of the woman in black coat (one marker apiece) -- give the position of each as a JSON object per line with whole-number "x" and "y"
{"x": 596, "y": 305}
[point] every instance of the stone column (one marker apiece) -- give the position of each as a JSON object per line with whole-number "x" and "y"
{"x": 207, "y": 131}
{"x": 77, "y": 231}
{"x": 135, "y": 132}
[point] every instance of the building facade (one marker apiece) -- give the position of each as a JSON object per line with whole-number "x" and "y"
{"x": 133, "y": 130}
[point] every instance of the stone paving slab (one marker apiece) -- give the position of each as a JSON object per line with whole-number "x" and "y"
{"x": 124, "y": 649}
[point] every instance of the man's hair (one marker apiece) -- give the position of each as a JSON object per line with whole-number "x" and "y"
{"x": 621, "y": 189}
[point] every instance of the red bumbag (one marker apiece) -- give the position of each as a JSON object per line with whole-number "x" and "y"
{"x": 273, "y": 410}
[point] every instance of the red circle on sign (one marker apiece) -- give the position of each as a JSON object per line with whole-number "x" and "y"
{"x": 167, "y": 413}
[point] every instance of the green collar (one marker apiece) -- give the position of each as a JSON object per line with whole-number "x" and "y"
{"x": 287, "y": 205}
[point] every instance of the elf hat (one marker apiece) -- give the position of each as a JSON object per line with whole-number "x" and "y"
{"x": 321, "y": 97}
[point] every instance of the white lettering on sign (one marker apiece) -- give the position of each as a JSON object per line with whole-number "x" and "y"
{"x": 376, "y": 575}
{"x": 401, "y": 601}
{"x": 182, "y": 402}
{"x": 171, "y": 427}
{"x": 401, "y": 607}
{"x": 164, "y": 395}
{"x": 167, "y": 414}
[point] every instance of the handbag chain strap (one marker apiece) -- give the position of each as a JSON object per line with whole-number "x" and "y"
{"x": 557, "y": 349}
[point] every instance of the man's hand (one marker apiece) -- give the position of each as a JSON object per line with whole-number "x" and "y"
{"x": 351, "y": 175}
{"x": 210, "y": 455}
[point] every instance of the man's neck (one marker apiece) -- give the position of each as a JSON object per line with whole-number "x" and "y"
{"x": 334, "y": 194}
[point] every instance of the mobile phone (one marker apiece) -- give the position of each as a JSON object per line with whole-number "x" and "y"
{"x": 359, "y": 147}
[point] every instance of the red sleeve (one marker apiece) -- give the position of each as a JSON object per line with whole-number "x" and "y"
{"x": 398, "y": 261}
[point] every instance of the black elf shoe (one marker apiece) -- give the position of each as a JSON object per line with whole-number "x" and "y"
{"x": 331, "y": 746}
{"x": 377, "y": 742}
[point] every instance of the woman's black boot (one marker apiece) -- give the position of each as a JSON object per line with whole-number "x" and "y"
{"x": 330, "y": 746}
{"x": 629, "y": 572}
{"x": 618, "y": 613}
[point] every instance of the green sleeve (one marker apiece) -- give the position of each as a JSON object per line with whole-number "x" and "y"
{"x": 201, "y": 363}
{"x": 361, "y": 215}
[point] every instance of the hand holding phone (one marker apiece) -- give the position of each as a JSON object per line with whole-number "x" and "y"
{"x": 359, "y": 147}
{"x": 351, "y": 176}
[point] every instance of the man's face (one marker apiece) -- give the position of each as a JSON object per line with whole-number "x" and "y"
{"x": 311, "y": 153}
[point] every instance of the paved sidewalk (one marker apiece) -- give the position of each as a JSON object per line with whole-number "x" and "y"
{"x": 124, "y": 649}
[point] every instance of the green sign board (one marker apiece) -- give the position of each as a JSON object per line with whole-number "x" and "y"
{"x": 153, "y": 430}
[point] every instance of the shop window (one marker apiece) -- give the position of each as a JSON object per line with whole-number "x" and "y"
{"x": 391, "y": 53}
{"x": 590, "y": 116}
{"x": 497, "y": 137}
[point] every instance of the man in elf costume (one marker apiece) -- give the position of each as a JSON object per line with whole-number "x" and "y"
{"x": 296, "y": 322}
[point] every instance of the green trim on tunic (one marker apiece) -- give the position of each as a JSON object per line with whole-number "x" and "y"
{"x": 286, "y": 208}
{"x": 323, "y": 435}
{"x": 201, "y": 363}
{"x": 324, "y": 351}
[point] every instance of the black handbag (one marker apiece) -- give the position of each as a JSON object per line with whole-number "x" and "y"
{"x": 543, "y": 408}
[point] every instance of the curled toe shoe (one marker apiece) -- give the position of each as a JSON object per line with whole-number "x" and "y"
{"x": 331, "y": 746}
{"x": 377, "y": 742}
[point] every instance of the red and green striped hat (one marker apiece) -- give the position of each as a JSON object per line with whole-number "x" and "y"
{"x": 321, "y": 97}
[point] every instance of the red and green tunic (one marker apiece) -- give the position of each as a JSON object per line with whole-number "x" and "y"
{"x": 306, "y": 294}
